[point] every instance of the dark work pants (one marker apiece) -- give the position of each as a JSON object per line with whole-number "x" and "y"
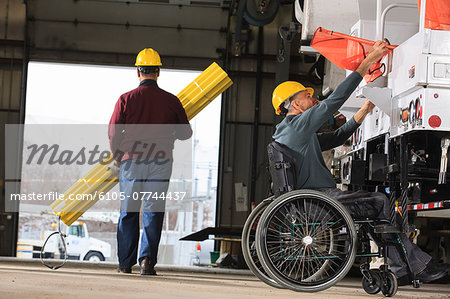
{"x": 375, "y": 205}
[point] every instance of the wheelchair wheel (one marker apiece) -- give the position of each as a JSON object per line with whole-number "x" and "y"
{"x": 249, "y": 246}
{"x": 389, "y": 285}
{"x": 306, "y": 241}
{"x": 375, "y": 286}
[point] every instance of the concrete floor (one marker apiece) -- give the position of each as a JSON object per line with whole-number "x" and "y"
{"x": 24, "y": 279}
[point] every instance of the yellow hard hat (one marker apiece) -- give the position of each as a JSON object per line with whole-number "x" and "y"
{"x": 148, "y": 57}
{"x": 284, "y": 91}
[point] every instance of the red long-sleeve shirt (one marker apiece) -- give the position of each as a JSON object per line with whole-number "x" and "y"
{"x": 146, "y": 115}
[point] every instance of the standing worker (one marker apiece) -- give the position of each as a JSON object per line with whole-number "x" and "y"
{"x": 304, "y": 115}
{"x": 145, "y": 123}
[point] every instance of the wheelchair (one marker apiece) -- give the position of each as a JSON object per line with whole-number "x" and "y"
{"x": 306, "y": 241}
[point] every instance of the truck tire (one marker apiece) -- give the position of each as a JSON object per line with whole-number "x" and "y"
{"x": 94, "y": 256}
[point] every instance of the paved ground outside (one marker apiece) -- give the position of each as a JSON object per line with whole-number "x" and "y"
{"x": 25, "y": 279}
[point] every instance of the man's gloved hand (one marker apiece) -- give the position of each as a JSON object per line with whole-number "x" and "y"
{"x": 115, "y": 169}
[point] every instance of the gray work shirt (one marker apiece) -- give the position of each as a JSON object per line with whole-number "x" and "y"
{"x": 298, "y": 132}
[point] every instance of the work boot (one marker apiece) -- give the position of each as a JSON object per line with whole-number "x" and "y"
{"x": 147, "y": 267}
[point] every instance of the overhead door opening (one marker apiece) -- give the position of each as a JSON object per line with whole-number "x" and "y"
{"x": 68, "y": 94}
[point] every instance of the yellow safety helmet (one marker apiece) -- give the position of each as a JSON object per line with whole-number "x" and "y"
{"x": 148, "y": 57}
{"x": 286, "y": 90}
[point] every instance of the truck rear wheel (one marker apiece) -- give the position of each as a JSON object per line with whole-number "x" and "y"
{"x": 94, "y": 257}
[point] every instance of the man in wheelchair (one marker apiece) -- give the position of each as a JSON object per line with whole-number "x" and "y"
{"x": 304, "y": 115}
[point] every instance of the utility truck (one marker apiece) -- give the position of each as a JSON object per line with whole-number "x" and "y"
{"x": 401, "y": 147}
{"x": 78, "y": 243}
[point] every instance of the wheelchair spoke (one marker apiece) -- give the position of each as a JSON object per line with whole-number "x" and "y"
{"x": 302, "y": 263}
{"x": 281, "y": 223}
{"x": 273, "y": 253}
{"x": 317, "y": 265}
{"x": 335, "y": 232}
{"x": 280, "y": 242}
{"x": 310, "y": 264}
{"x": 306, "y": 217}
{"x": 302, "y": 218}
{"x": 320, "y": 213}
{"x": 292, "y": 267}
{"x": 335, "y": 245}
{"x": 289, "y": 258}
{"x": 329, "y": 258}
{"x": 276, "y": 234}
{"x": 292, "y": 221}
{"x": 280, "y": 262}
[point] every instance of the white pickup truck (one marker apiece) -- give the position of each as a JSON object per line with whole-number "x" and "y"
{"x": 78, "y": 243}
